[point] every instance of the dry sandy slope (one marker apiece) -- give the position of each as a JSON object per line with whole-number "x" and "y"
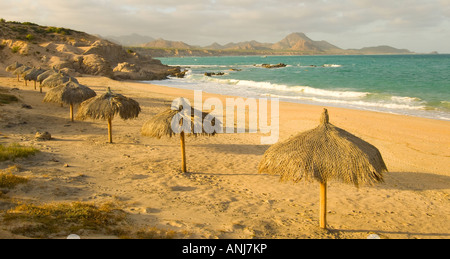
{"x": 222, "y": 196}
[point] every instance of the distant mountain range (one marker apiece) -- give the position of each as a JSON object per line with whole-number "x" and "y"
{"x": 133, "y": 39}
{"x": 293, "y": 44}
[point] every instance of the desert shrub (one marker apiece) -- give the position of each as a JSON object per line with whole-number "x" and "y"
{"x": 14, "y": 150}
{"x": 29, "y": 23}
{"x": 62, "y": 31}
{"x": 15, "y": 49}
{"x": 157, "y": 233}
{"x": 46, "y": 219}
{"x": 19, "y": 29}
{"x": 8, "y": 180}
{"x": 30, "y": 37}
{"x": 7, "y": 98}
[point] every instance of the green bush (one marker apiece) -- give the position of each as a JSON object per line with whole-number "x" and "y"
{"x": 7, "y": 98}
{"x": 62, "y": 31}
{"x": 29, "y": 23}
{"x": 10, "y": 181}
{"x": 47, "y": 219}
{"x": 15, "y": 49}
{"x": 14, "y": 150}
{"x": 19, "y": 29}
{"x": 30, "y": 37}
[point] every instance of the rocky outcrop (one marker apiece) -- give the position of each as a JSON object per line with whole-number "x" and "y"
{"x": 113, "y": 52}
{"x": 127, "y": 68}
{"x": 96, "y": 65}
{"x": 74, "y": 52}
{"x": 271, "y": 66}
{"x": 214, "y": 74}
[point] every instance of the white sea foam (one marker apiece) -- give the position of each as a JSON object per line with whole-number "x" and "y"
{"x": 402, "y": 99}
{"x": 306, "y": 94}
{"x": 304, "y": 90}
{"x": 353, "y": 103}
{"x": 332, "y": 65}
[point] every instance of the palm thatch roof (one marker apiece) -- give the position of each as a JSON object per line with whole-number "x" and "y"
{"x": 324, "y": 153}
{"x": 161, "y": 124}
{"x": 20, "y": 70}
{"x": 57, "y": 79}
{"x": 45, "y": 75}
{"x": 33, "y": 74}
{"x": 13, "y": 67}
{"x": 107, "y": 105}
{"x": 69, "y": 93}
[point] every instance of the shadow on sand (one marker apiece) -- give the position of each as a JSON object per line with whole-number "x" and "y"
{"x": 236, "y": 148}
{"x": 415, "y": 181}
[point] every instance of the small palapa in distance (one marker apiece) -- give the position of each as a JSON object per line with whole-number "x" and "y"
{"x": 161, "y": 125}
{"x": 69, "y": 93}
{"x": 107, "y": 106}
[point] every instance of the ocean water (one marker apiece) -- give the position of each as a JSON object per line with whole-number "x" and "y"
{"x": 417, "y": 85}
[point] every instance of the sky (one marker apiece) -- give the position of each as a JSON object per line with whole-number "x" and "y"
{"x": 418, "y": 25}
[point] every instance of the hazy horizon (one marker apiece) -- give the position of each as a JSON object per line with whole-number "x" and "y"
{"x": 417, "y": 25}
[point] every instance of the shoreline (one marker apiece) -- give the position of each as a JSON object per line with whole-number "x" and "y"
{"x": 222, "y": 196}
{"x": 311, "y": 113}
{"x": 283, "y": 99}
{"x": 344, "y": 93}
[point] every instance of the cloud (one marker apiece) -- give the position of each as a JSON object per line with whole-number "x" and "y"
{"x": 205, "y": 21}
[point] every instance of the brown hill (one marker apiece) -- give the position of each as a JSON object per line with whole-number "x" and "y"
{"x": 74, "y": 52}
{"x": 167, "y": 44}
{"x": 382, "y": 50}
{"x": 300, "y": 42}
{"x": 248, "y": 45}
{"x": 293, "y": 44}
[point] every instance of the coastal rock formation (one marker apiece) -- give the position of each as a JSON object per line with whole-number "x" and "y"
{"x": 74, "y": 52}
{"x": 214, "y": 74}
{"x": 94, "y": 64}
{"x": 271, "y": 66}
{"x": 127, "y": 68}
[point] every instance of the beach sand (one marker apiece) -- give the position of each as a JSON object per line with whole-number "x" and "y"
{"x": 222, "y": 195}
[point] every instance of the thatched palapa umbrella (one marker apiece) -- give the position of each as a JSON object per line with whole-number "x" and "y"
{"x": 11, "y": 68}
{"x": 69, "y": 93}
{"x": 57, "y": 79}
{"x": 45, "y": 75}
{"x": 161, "y": 125}
{"x": 108, "y": 105}
{"x": 33, "y": 74}
{"x": 322, "y": 154}
{"x": 20, "y": 71}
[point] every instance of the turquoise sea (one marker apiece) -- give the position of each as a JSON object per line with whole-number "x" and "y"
{"x": 417, "y": 85}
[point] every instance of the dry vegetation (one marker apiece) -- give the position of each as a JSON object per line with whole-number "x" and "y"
{"x": 55, "y": 220}
{"x": 15, "y": 150}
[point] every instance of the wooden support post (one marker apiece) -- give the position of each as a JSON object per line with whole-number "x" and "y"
{"x": 71, "y": 112}
{"x": 110, "y": 130}
{"x": 323, "y": 205}
{"x": 183, "y": 153}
